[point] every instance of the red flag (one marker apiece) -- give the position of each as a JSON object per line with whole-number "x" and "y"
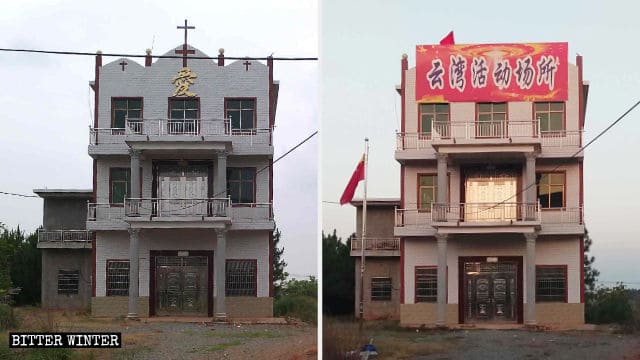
{"x": 448, "y": 40}
{"x": 358, "y": 175}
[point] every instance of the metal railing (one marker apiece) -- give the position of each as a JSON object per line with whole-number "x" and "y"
{"x": 563, "y": 216}
{"x": 64, "y": 235}
{"x": 104, "y": 212}
{"x": 209, "y": 207}
{"x": 487, "y": 130}
{"x": 391, "y": 243}
{"x": 413, "y": 217}
{"x": 106, "y": 135}
{"x": 485, "y": 212}
{"x": 249, "y": 212}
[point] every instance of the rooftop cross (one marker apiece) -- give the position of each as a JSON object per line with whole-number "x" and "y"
{"x": 123, "y": 64}
{"x": 246, "y": 65}
{"x": 184, "y": 50}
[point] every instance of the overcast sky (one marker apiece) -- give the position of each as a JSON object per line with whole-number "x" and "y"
{"x": 47, "y": 103}
{"x": 361, "y": 46}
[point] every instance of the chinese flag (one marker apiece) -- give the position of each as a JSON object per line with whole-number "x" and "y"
{"x": 357, "y": 176}
{"x": 448, "y": 40}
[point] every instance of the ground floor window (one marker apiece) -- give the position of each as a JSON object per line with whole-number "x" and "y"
{"x": 117, "y": 277}
{"x": 241, "y": 277}
{"x": 426, "y": 284}
{"x": 68, "y": 281}
{"x": 381, "y": 289}
{"x": 551, "y": 283}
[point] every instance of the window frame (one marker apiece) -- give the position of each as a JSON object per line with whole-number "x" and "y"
{"x": 71, "y": 290}
{"x": 227, "y": 290}
{"x": 563, "y": 130}
{"x": 415, "y": 289}
{"x": 539, "y": 175}
{"x": 428, "y": 134}
{"x": 564, "y": 269}
{"x": 196, "y": 121}
{"x": 493, "y": 112}
{"x": 255, "y": 175}
{"x": 125, "y": 98}
{"x": 127, "y": 185}
{"x": 435, "y": 197}
{"x": 382, "y": 297}
{"x": 106, "y": 279}
{"x": 229, "y": 127}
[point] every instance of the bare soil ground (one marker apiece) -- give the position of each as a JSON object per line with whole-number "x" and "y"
{"x": 393, "y": 342}
{"x": 177, "y": 340}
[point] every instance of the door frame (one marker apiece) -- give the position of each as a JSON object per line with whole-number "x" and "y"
{"x": 152, "y": 276}
{"x": 519, "y": 283}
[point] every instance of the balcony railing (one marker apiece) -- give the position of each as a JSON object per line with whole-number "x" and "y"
{"x": 487, "y": 130}
{"x": 485, "y": 212}
{"x": 208, "y": 207}
{"x": 104, "y": 212}
{"x": 563, "y": 216}
{"x": 413, "y": 217}
{"x": 64, "y": 235}
{"x": 252, "y": 212}
{"x": 376, "y": 244}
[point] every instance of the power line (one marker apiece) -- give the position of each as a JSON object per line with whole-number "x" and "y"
{"x": 81, "y": 53}
{"x": 20, "y": 195}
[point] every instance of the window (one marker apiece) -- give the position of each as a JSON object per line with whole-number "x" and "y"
{"x": 241, "y": 185}
{"x": 427, "y": 284}
{"x": 241, "y": 113}
{"x": 117, "y": 277}
{"x": 427, "y": 190}
{"x": 551, "y": 283}
{"x": 68, "y": 281}
{"x": 434, "y": 116}
{"x": 241, "y": 277}
{"x": 183, "y": 115}
{"x": 381, "y": 289}
{"x": 491, "y": 119}
{"x": 123, "y": 109}
{"x": 550, "y": 116}
{"x": 551, "y": 190}
{"x": 119, "y": 184}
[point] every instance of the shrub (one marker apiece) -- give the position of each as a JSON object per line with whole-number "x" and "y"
{"x": 301, "y": 307}
{"x": 609, "y": 305}
{"x": 7, "y": 318}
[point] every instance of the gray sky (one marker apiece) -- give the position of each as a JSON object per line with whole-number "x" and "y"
{"x": 361, "y": 46}
{"x": 47, "y": 102}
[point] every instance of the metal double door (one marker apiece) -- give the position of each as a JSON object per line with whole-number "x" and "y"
{"x": 181, "y": 285}
{"x": 490, "y": 291}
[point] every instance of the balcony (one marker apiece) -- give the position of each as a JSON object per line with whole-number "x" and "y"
{"x": 67, "y": 239}
{"x": 105, "y": 216}
{"x": 487, "y": 136}
{"x": 190, "y": 132}
{"x": 376, "y": 246}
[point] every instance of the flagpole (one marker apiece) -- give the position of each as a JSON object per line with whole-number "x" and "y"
{"x": 364, "y": 231}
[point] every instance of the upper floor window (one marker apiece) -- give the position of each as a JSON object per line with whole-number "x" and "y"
{"x": 119, "y": 184}
{"x": 551, "y": 191}
{"x": 491, "y": 119}
{"x": 241, "y": 113}
{"x": 551, "y": 283}
{"x": 427, "y": 190}
{"x": 434, "y": 116}
{"x": 241, "y": 277}
{"x": 123, "y": 109}
{"x": 549, "y": 116}
{"x": 241, "y": 185}
{"x": 183, "y": 116}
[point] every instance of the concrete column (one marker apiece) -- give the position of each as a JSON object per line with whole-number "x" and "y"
{"x": 220, "y": 274}
{"x": 443, "y": 183}
{"x": 530, "y": 281}
{"x": 134, "y": 267}
{"x": 135, "y": 173}
{"x": 530, "y": 178}
{"x": 220, "y": 177}
{"x": 441, "y": 316}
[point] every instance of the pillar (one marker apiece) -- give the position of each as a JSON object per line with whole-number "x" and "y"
{"x": 530, "y": 282}
{"x": 220, "y": 274}
{"x": 132, "y": 207}
{"x": 441, "y": 316}
{"x": 530, "y": 193}
{"x": 220, "y": 177}
{"x": 134, "y": 266}
{"x": 443, "y": 184}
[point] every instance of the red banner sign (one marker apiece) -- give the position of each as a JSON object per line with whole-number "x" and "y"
{"x": 492, "y": 72}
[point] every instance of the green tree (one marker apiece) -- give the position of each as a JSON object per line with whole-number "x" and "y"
{"x": 20, "y": 265}
{"x": 590, "y": 272}
{"x": 338, "y": 283}
{"x": 279, "y": 275}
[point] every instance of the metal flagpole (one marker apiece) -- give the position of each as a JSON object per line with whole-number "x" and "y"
{"x": 364, "y": 231}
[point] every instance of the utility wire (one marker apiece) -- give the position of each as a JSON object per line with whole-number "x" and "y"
{"x": 157, "y": 56}
{"x": 20, "y": 195}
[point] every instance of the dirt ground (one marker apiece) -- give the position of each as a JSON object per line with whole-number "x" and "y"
{"x": 393, "y": 342}
{"x": 177, "y": 340}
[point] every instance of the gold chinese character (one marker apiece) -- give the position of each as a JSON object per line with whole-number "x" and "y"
{"x": 183, "y": 80}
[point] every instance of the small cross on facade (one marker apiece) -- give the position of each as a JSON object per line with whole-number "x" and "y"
{"x": 246, "y": 65}
{"x": 184, "y": 50}
{"x": 123, "y": 64}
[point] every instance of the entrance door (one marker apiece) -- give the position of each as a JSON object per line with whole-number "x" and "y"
{"x": 181, "y": 285}
{"x": 490, "y": 291}
{"x": 483, "y": 195}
